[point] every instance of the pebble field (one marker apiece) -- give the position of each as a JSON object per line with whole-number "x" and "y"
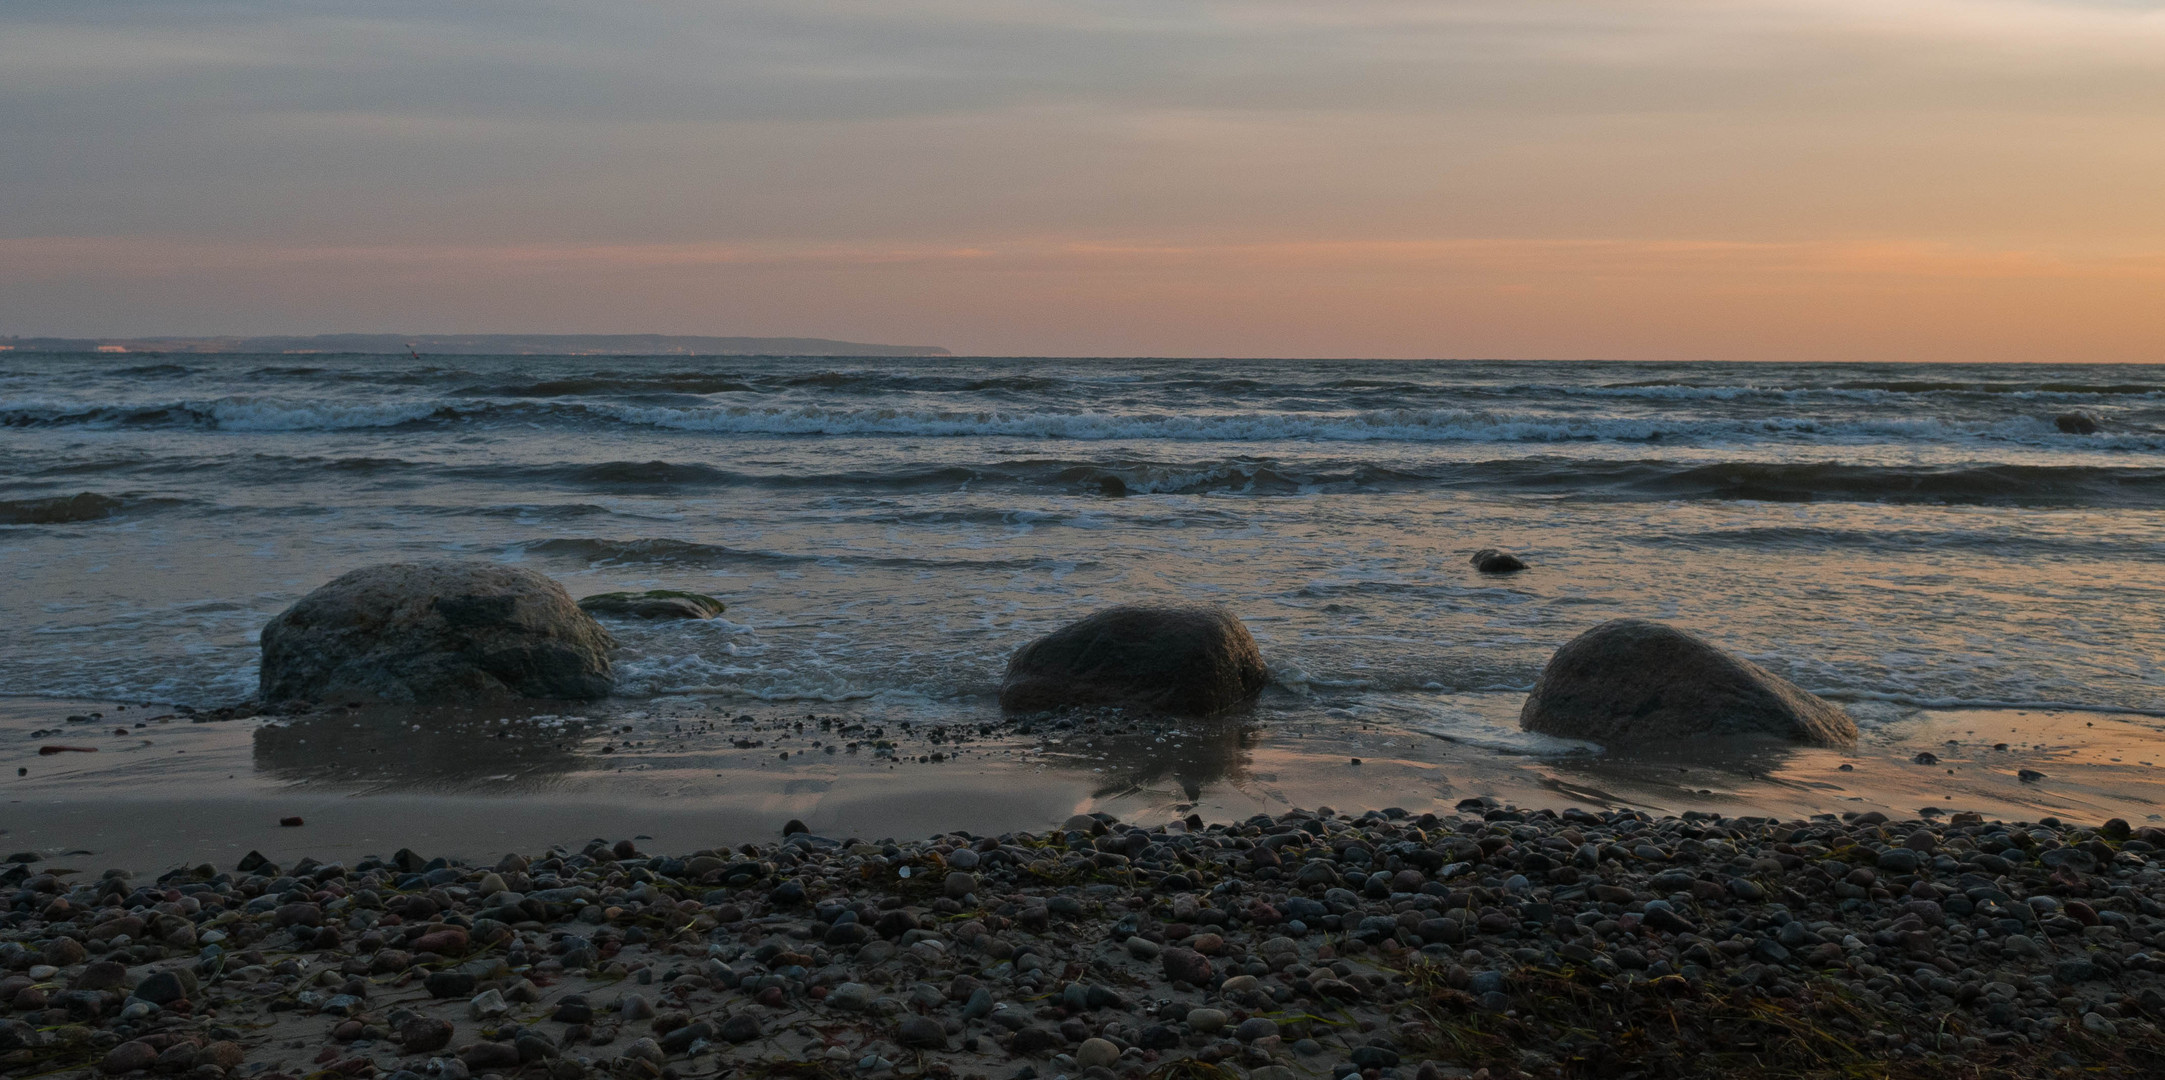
{"x": 1494, "y": 942}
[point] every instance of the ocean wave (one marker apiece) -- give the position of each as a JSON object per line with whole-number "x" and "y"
{"x": 59, "y": 509}
{"x": 1908, "y": 539}
{"x": 1991, "y": 483}
{"x": 663, "y": 550}
{"x": 1947, "y": 703}
{"x": 1509, "y": 422}
{"x": 232, "y": 414}
{"x": 612, "y": 382}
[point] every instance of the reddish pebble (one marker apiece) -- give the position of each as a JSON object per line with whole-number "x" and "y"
{"x": 771, "y": 997}
{"x": 449, "y": 941}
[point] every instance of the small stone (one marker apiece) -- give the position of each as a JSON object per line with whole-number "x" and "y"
{"x": 741, "y": 1028}
{"x": 449, "y": 941}
{"x": 922, "y": 1032}
{"x": 1207, "y": 1020}
{"x": 128, "y": 1057}
{"x": 64, "y": 952}
{"x": 487, "y": 1005}
{"x": 1096, "y": 1053}
{"x": 1374, "y": 1057}
{"x": 489, "y": 1056}
{"x": 1899, "y": 861}
{"x": 161, "y": 988}
{"x": 1036, "y": 1042}
{"x": 424, "y": 1035}
{"x": 102, "y": 975}
{"x": 1255, "y": 1027}
{"x": 850, "y": 997}
{"x": 682, "y": 1039}
{"x": 1186, "y": 965}
{"x": 644, "y": 1050}
{"x": 959, "y": 885}
{"x": 1143, "y": 948}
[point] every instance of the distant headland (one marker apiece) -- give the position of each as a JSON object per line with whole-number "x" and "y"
{"x": 478, "y": 345}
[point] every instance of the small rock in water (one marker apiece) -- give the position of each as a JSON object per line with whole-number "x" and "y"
{"x": 290, "y": 822}
{"x": 1492, "y": 561}
{"x": 2075, "y": 423}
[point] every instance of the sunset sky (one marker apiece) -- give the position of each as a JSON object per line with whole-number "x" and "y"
{"x": 1647, "y": 179}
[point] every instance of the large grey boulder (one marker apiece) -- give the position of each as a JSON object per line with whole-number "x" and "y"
{"x": 1185, "y": 661}
{"x": 1634, "y": 682}
{"x": 429, "y": 633}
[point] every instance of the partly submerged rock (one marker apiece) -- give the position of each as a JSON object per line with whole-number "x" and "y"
{"x": 435, "y": 633}
{"x": 1631, "y": 682}
{"x": 653, "y": 604}
{"x": 1492, "y": 561}
{"x": 1186, "y": 661}
{"x": 2076, "y": 423}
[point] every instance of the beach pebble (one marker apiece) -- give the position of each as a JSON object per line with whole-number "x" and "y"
{"x": 128, "y": 1057}
{"x": 1096, "y": 1053}
{"x": 486, "y": 1056}
{"x": 921, "y": 1032}
{"x": 1186, "y": 965}
{"x": 424, "y": 1035}
{"x": 1207, "y": 1020}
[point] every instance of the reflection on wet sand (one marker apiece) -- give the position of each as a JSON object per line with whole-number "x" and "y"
{"x": 1667, "y": 779}
{"x": 1194, "y": 755}
{"x": 425, "y": 750}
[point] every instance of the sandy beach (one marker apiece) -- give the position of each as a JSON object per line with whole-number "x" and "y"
{"x": 174, "y": 792}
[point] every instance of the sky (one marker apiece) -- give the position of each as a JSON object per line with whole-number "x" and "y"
{"x": 1634, "y": 179}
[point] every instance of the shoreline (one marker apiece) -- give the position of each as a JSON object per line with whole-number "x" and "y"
{"x": 691, "y": 773}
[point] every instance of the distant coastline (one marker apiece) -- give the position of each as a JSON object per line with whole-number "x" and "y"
{"x": 477, "y": 345}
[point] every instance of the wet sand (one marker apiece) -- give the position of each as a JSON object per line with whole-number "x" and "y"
{"x": 162, "y": 792}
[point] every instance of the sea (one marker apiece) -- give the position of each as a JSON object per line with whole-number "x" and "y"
{"x": 886, "y": 532}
